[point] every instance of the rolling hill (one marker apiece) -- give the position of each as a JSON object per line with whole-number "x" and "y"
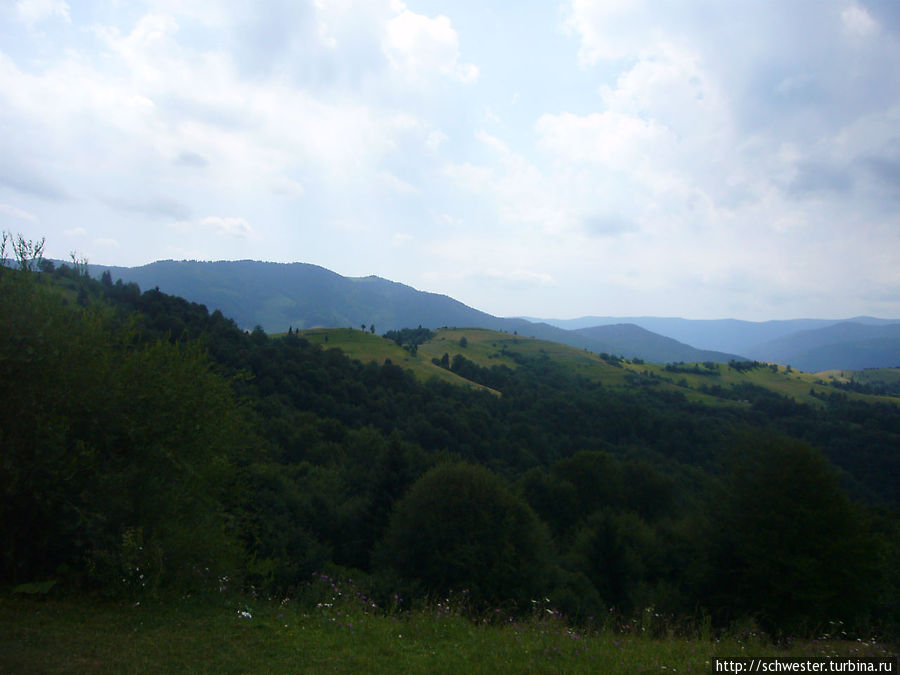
{"x": 725, "y": 335}
{"x": 488, "y": 348}
{"x": 277, "y": 296}
{"x": 632, "y": 341}
{"x": 845, "y": 345}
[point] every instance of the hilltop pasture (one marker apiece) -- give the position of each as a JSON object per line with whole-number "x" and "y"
{"x": 696, "y": 381}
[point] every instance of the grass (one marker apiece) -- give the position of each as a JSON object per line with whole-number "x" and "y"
{"x": 366, "y": 347}
{"x": 489, "y": 348}
{"x": 344, "y": 633}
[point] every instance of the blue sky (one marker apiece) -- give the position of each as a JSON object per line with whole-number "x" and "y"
{"x": 702, "y": 159}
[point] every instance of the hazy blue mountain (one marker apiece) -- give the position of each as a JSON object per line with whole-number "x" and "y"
{"x": 849, "y": 345}
{"x": 630, "y": 340}
{"x": 726, "y": 335}
{"x": 276, "y": 296}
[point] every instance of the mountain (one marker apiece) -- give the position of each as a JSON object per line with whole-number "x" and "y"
{"x": 277, "y": 296}
{"x": 849, "y": 345}
{"x": 280, "y": 295}
{"x": 726, "y": 335}
{"x": 630, "y": 340}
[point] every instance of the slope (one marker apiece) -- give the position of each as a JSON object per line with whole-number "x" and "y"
{"x": 633, "y": 341}
{"x": 845, "y": 345}
{"x": 278, "y": 296}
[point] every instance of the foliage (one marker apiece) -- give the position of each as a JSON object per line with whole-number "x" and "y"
{"x": 149, "y": 444}
{"x": 461, "y": 528}
{"x": 787, "y": 546}
{"x": 104, "y": 438}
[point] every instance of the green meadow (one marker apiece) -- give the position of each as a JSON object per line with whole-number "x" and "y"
{"x": 489, "y": 348}
{"x": 342, "y": 633}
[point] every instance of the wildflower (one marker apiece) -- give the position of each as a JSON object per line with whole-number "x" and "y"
{"x": 244, "y": 614}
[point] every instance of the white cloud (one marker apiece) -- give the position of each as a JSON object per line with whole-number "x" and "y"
{"x": 419, "y": 47}
{"x": 643, "y": 148}
{"x": 231, "y": 227}
{"x": 609, "y": 137}
{"x": 608, "y": 29}
{"x": 401, "y": 239}
{"x": 517, "y": 275}
{"x": 33, "y": 12}
{"x": 435, "y": 140}
{"x": 395, "y": 184}
{"x": 17, "y": 213}
{"x": 857, "y": 21}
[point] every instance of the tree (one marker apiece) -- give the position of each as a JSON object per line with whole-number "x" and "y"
{"x": 460, "y": 527}
{"x": 787, "y": 545}
{"x": 372, "y": 329}
{"x": 28, "y": 253}
{"x": 463, "y": 342}
{"x": 114, "y": 453}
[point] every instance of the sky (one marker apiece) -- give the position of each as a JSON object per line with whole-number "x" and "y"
{"x": 703, "y": 159}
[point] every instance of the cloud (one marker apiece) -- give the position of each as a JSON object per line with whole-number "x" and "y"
{"x": 642, "y": 143}
{"x": 155, "y": 207}
{"x": 518, "y": 278}
{"x": 17, "y": 213}
{"x": 231, "y": 227}
{"x": 419, "y": 47}
{"x": 190, "y": 159}
{"x": 401, "y": 239}
{"x": 395, "y": 184}
{"x": 609, "y": 225}
{"x": 435, "y": 140}
{"x": 32, "y": 12}
{"x": 858, "y": 21}
{"x": 30, "y": 181}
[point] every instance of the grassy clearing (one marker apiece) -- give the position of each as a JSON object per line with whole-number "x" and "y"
{"x": 367, "y": 347}
{"x": 344, "y": 634}
{"x": 490, "y": 348}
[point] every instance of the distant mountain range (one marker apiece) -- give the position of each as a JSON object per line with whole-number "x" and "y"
{"x": 807, "y": 344}
{"x": 299, "y": 295}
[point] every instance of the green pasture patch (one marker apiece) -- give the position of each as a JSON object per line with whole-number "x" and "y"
{"x": 367, "y": 347}
{"x": 489, "y": 348}
{"x": 87, "y": 635}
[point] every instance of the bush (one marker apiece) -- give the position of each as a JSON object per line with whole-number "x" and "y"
{"x": 460, "y": 527}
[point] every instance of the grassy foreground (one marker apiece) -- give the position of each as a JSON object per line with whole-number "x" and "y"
{"x": 346, "y": 635}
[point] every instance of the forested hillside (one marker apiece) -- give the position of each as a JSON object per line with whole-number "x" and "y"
{"x": 148, "y": 444}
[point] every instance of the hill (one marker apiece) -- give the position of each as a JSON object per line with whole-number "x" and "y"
{"x": 845, "y": 345}
{"x": 151, "y": 445}
{"x": 632, "y": 341}
{"x": 727, "y": 335}
{"x": 279, "y": 296}
{"x": 711, "y": 384}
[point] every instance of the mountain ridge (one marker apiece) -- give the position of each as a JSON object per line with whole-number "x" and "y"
{"x": 277, "y": 296}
